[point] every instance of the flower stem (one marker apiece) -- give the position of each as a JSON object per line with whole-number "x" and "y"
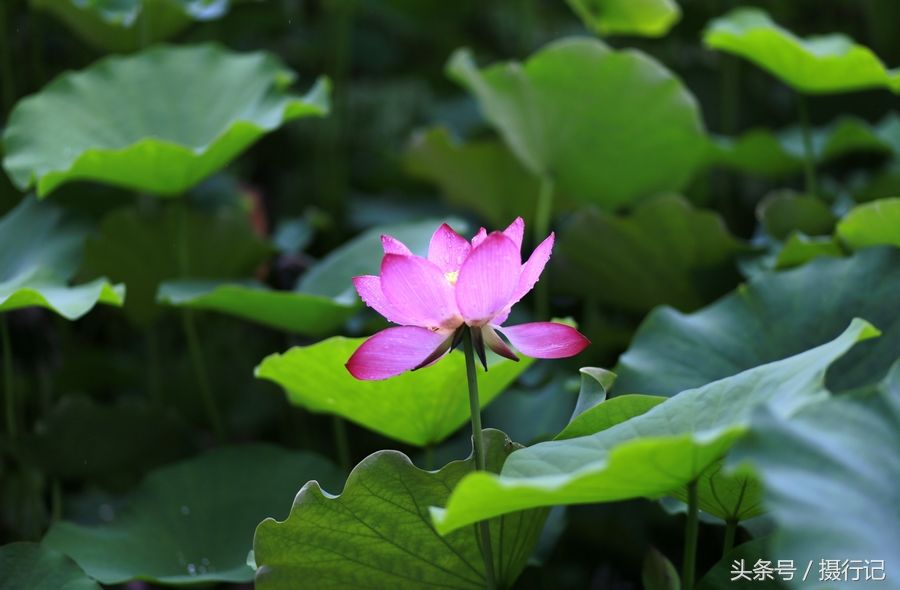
{"x": 193, "y": 341}
{"x": 730, "y": 532}
{"x": 9, "y": 392}
{"x": 478, "y": 445}
{"x": 542, "y": 216}
{"x": 342, "y": 442}
{"x": 690, "y": 538}
{"x": 809, "y": 162}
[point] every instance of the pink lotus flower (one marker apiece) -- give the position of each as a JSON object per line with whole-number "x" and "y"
{"x": 458, "y": 285}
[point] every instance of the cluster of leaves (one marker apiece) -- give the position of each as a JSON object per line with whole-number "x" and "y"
{"x": 180, "y": 225}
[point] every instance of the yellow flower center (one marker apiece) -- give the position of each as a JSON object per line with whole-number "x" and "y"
{"x": 451, "y": 276}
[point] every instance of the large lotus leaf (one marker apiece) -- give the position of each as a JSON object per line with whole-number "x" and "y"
{"x": 871, "y": 224}
{"x": 331, "y": 277}
{"x": 377, "y": 534}
{"x": 664, "y": 252}
{"x": 40, "y": 250}
{"x": 126, "y": 25}
{"x": 420, "y": 407}
{"x": 301, "y": 313}
{"x": 159, "y": 122}
{"x": 815, "y": 65}
{"x": 775, "y": 315}
{"x": 482, "y": 175}
{"x": 192, "y": 522}
{"x": 647, "y": 18}
{"x": 766, "y": 153}
{"x": 144, "y": 248}
{"x": 596, "y": 149}
{"x": 830, "y": 475}
{"x": 655, "y": 453}
{"x": 783, "y": 212}
{"x": 34, "y": 567}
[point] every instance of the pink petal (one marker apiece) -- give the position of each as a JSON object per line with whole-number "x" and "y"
{"x": 546, "y": 340}
{"x": 419, "y": 291}
{"x": 479, "y": 237}
{"x": 515, "y": 232}
{"x": 369, "y": 289}
{"x": 392, "y": 245}
{"x": 496, "y": 343}
{"x": 394, "y": 351}
{"x": 448, "y": 249}
{"x": 531, "y": 270}
{"x": 487, "y": 279}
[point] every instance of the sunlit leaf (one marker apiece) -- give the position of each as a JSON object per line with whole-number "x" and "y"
{"x": 653, "y": 454}
{"x": 126, "y": 25}
{"x": 608, "y": 413}
{"x": 666, "y": 251}
{"x": 595, "y": 150}
{"x": 40, "y": 250}
{"x": 420, "y": 407}
{"x": 378, "y": 534}
{"x": 647, "y": 18}
{"x": 777, "y": 314}
{"x": 159, "y": 122}
{"x": 815, "y": 65}
{"x": 301, "y": 313}
{"x": 871, "y": 224}
{"x": 192, "y": 522}
{"x": 32, "y": 566}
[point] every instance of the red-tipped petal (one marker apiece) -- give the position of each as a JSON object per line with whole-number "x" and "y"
{"x": 392, "y": 245}
{"x": 448, "y": 249}
{"x": 546, "y": 340}
{"x": 515, "y": 232}
{"x": 496, "y": 343}
{"x": 531, "y": 270}
{"x": 369, "y": 289}
{"x": 394, "y": 351}
{"x": 419, "y": 291}
{"x": 487, "y": 279}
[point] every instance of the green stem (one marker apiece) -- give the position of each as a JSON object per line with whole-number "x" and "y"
{"x": 9, "y": 391}
{"x": 478, "y": 445}
{"x": 209, "y": 400}
{"x": 690, "y": 538}
{"x": 809, "y": 158}
{"x": 154, "y": 385}
{"x": 542, "y": 216}
{"x": 342, "y": 442}
{"x": 730, "y": 531}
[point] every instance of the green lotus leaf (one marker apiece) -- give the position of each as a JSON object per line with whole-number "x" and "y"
{"x": 158, "y": 122}
{"x": 815, "y": 65}
{"x": 799, "y": 249}
{"x": 189, "y": 523}
{"x": 482, "y": 176}
{"x": 377, "y": 534}
{"x": 647, "y": 18}
{"x": 653, "y": 454}
{"x": 301, "y": 313}
{"x": 719, "y": 576}
{"x": 35, "y": 567}
{"x": 666, "y": 251}
{"x": 126, "y": 25}
{"x": 871, "y": 224}
{"x": 144, "y": 248}
{"x": 830, "y": 474}
{"x": 40, "y": 250}
{"x": 595, "y": 150}
{"x": 419, "y": 407}
{"x": 608, "y": 413}
{"x": 785, "y": 211}
{"x": 775, "y": 315}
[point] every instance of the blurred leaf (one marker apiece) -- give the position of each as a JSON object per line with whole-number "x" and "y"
{"x": 32, "y": 566}
{"x": 301, "y": 313}
{"x": 664, "y": 252}
{"x": 160, "y": 121}
{"x": 659, "y": 573}
{"x": 719, "y": 577}
{"x": 40, "y": 249}
{"x": 785, "y": 211}
{"x": 332, "y": 276}
{"x": 800, "y": 249}
{"x": 418, "y": 407}
{"x": 872, "y": 224}
{"x": 128, "y": 25}
{"x": 482, "y": 176}
{"x": 595, "y": 150}
{"x": 816, "y": 65}
{"x": 653, "y": 454}
{"x": 777, "y": 314}
{"x": 532, "y": 415}
{"x": 830, "y": 474}
{"x": 144, "y": 248}
{"x": 381, "y": 519}
{"x": 647, "y": 18}
{"x": 192, "y": 522}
